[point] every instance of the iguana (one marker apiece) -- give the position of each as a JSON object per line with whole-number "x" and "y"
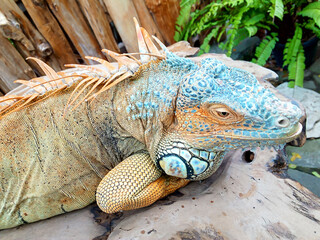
{"x": 146, "y": 127}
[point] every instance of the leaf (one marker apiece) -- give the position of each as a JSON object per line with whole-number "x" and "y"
{"x": 242, "y": 33}
{"x": 263, "y": 51}
{"x": 292, "y": 46}
{"x": 291, "y": 85}
{"x": 252, "y": 30}
{"x": 205, "y": 46}
{"x": 312, "y": 11}
{"x": 311, "y": 25}
{"x": 276, "y": 10}
{"x": 255, "y": 19}
{"x": 185, "y": 9}
{"x": 296, "y": 68}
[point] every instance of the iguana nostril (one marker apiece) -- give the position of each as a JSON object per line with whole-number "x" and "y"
{"x": 283, "y": 122}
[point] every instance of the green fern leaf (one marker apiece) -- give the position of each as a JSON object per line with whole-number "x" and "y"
{"x": 252, "y": 30}
{"x": 263, "y": 51}
{"x": 312, "y": 11}
{"x": 291, "y": 84}
{"x": 296, "y": 68}
{"x": 205, "y": 46}
{"x": 311, "y": 25}
{"x": 185, "y": 9}
{"x": 276, "y": 9}
{"x": 255, "y": 19}
{"x": 242, "y": 33}
{"x": 292, "y": 46}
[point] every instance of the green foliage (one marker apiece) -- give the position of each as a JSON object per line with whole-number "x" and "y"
{"x": 239, "y": 19}
{"x": 296, "y": 68}
{"x": 292, "y": 46}
{"x": 312, "y": 10}
{"x": 185, "y": 9}
{"x": 311, "y": 26}
{"x": 276, "y": 9}
{"x": 263, "y": 51}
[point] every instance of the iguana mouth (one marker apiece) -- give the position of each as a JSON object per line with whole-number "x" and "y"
{"x": 294, "y": 133}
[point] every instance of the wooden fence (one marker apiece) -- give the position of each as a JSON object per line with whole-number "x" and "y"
{"x": 65, "y": 31}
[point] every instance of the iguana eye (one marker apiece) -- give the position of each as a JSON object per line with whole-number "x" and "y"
{"x": 224, "y": 114}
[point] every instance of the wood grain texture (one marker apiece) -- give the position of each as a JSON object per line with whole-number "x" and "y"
{"x": 165, "y": 13}
{"x": 51, "y": 30}
{"x": 94, "y": 12}
{"x": 122, "y": 13}
{"x": 74, "y": 23}
{"x": 12, "y": 66}
{"x": 11, "y": 10}
{"x": 146, "y": 19}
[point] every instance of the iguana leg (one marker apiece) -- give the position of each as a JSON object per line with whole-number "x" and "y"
{"x": 134, "y": 183}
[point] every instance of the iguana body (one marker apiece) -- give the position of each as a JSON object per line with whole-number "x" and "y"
{"x": 168, "y": 116}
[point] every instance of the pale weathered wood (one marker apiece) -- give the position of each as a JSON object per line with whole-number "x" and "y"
{"x": 38, "y": 48}
{"x": 146, "y": 19}
{"x": 165, "y": 13}
{"x": 73, "y": 22}
{"x": 122, "y": 13}
{"x": 12, "y": 66}
{"x": 11, "y": 10}
{"x": 51, "y": 30}
{"x": 94, "y": 12}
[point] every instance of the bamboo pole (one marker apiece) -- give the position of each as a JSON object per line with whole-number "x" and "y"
{"x": 122, "y": 13}
{"x": 94, "y": 12}
{"x": 73, "y": 22}
{"x": 51, "y": 30}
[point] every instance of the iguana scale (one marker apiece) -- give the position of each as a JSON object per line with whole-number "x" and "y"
{"x": 129, "y": 134}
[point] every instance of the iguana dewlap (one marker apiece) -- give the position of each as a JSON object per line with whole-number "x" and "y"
{"x": 146, "y": 128}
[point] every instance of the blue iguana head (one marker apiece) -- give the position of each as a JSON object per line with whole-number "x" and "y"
{"x": 219, "y": 108}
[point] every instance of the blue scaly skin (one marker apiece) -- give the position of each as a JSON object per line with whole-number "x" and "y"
{"x": 160, "y": 124}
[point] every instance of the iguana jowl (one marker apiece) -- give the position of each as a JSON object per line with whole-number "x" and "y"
{"x": 146, "y": 128}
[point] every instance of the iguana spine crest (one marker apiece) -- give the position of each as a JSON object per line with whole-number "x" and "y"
{"x": 127, "y": 66}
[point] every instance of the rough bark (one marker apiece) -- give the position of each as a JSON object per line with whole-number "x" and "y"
{"x": 12, "y": 66}
{"x": 165, "y": 13}
{"x": 73, "y": 22}
{"x": 94, "y": 12}
{"x": 51, "y": 30}
{"x": 122, "y": 13}
{"x": 146, "y": 19}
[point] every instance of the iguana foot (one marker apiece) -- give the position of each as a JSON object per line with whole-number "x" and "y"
{"x": 134, "y": 183}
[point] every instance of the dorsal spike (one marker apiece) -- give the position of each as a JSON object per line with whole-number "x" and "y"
{"x": 163, "y": 47}
{"x": 10, "y": 98}
{"x": 152, "y": 48}
{"x": 110, "y": 84}
{"x": 103, "y": 62}
{"x": 50, "y": 73}
{"x": 90, "y": 68}
{"x": 32, "y": 85}
{"x": 122, "y": 60}
{"x": 90, "y": 91}
{"x": 77, "y": 87}
{"x": 141, "y": 42}
{"x": 84, "y": 88}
